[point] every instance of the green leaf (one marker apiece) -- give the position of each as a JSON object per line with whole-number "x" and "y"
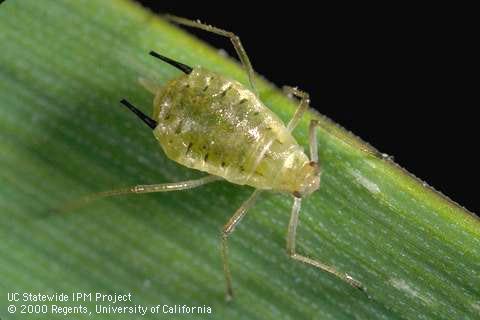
{"x": 64, "y": 66}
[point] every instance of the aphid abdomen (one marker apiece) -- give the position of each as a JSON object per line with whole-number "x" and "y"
{"x": 213, "y": 124}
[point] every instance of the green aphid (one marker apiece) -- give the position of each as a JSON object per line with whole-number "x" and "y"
{"x": 208, "y": 122}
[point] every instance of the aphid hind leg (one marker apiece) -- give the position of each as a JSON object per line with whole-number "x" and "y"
{"x": 302, "y": 106}
{"x": 237, "y": 44}
{"x": 163, "y": 187}
{"x": 291, "y": 238}
{"x": 228, "y": 228}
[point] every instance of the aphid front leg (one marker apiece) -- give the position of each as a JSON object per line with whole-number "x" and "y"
{"x": 227, "y": 230}
{"x": 237, "y": 44}
{"x": 302, "y": 106}
{"x": 291, "y": 237}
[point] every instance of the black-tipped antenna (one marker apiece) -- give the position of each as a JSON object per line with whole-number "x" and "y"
{"x": 174, "y": 63}
{"x": 149, "y": 121}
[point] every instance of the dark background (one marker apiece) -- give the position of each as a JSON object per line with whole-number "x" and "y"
{"x": 401, "y": 78}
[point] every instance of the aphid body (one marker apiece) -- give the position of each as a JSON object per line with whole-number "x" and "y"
{"x": 213, "y": 124}
{"x": 208, "y": 122}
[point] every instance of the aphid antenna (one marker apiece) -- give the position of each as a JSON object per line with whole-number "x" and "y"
{"x": 183, "y": 67}
{"x": 149, "y": 121}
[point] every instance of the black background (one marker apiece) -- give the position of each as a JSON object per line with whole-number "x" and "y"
{"x": 401, "y": 78}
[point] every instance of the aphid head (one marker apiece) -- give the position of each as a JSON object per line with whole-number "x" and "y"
{"x": 308, "y": 180}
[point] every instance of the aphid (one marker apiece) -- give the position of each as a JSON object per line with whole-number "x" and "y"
{"x": 208, "y": 122}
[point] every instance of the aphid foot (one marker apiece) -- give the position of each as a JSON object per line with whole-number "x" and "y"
{"x": 229, "y": 296}
{"x": 354, "y": 283}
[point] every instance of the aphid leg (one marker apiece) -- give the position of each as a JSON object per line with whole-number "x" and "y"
{"x": 227, "y": 230}
{"x": 237, "y": 44}
{"x": 302, "y": 106}
{"x": 312, "y": 137}
{"x": 292, "y": 229}
{"x": 164, "y": 187}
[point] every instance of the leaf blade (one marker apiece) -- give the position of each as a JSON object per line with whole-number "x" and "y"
{"x": 66, "y": 66}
